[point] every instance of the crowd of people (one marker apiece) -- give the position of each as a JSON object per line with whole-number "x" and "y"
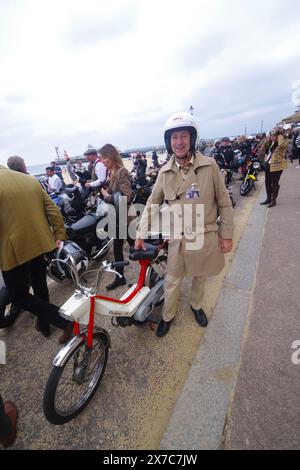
{"x": 272, "y": 149}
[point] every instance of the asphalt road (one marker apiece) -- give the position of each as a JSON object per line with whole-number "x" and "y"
{"x": 143, "y": 378}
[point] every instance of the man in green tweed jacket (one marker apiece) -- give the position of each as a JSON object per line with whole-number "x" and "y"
{"x": 30, "y": 225}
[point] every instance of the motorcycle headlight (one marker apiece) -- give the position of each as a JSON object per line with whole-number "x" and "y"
{"x": 101, "y": 232}
{"x": 256, "y": 165}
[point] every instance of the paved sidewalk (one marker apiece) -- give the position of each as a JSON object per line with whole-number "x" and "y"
{"x": 243, "y": 390}
{"x": 266, "y": 409}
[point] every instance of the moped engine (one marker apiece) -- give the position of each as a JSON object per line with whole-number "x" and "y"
{"x": 124, "y": 321}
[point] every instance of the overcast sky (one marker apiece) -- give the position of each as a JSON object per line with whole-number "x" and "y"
{"x": 79, "y": 72}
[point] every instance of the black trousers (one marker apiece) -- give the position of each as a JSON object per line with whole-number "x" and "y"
{"x": 118, "y": 250}
{"x": 297, "y": 153}
{"x": 17, "y": 282}
{"x": 271, "y": 181}
{"x": 5, "y": 423}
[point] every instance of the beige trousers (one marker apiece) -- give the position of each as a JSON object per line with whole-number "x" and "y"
{"x": 172, "y": 291}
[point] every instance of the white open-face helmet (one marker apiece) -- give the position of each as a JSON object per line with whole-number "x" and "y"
{"x": 181, "y": 121}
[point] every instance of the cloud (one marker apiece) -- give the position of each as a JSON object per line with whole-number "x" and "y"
{"x": 75, "y": 72}
{"x": 92, "y": 30}
{"x": 202, "y": 49}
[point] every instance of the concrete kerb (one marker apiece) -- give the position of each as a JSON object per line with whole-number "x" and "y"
{"x": 199, "y": 417}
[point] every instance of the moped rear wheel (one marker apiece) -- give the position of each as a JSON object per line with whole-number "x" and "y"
{"x": 70, "y": 387}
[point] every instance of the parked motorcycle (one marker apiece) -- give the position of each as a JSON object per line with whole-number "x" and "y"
{"x": 141, "y": 194}
{"x": 70, "y": 203}
{"x": 250, "y": 178}
{"x": 84, "y": 244}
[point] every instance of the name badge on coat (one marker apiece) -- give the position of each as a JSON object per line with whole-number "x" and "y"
{"x": 192, "y": 193}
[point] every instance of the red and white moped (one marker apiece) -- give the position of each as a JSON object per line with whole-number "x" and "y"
{"x": 79, "y": 366}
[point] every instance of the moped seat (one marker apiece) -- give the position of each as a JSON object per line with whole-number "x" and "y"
{"x": 149, "y": 253}
{"x": 84, "y": 225}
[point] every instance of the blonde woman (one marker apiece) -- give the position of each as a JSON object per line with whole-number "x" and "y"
{"x": 119, "y": 183}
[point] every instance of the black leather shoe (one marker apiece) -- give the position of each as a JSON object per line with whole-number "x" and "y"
{"x": 200, "y": 317}
{"x": 267, "y": 201}
{"x": 119, "y": 281}
{"x": 43, "y": 328}
{"x": 163, "y": 328}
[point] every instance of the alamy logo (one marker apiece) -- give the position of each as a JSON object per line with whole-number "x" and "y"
{"x": 178, "y": 221}
{"x": 296, "y": 354}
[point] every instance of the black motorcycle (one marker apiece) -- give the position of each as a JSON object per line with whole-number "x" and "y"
{"x": 84, "y": 244}
{"x": 141, "y": 193}
{"x": 141, "y": 188}
{"x": 71, "y": 204}
{"x": 250, "y": 178}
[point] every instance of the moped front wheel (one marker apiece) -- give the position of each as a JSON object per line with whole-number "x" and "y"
{"x": 71, "y": 386}
{"x": 246, "y": 187}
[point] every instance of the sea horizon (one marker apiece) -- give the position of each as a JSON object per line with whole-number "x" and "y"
{"x": 40, "y": 168}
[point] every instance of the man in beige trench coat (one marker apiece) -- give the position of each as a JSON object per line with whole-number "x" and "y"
{"x": 189, "y": 182}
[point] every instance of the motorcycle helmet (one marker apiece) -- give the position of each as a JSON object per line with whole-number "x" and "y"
{"x": 59, "y": 265}
{"x": 181, "y": 121}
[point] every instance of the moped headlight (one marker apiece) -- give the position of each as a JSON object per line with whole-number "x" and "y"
{"x": 256, "y": 165}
